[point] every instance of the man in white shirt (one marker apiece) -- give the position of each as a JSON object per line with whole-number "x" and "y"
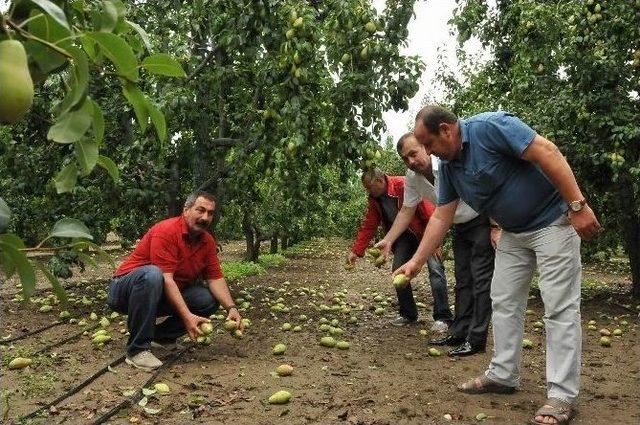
{"x": 472, "y": 249}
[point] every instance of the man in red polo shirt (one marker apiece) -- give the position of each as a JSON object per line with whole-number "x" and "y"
{"x": 386, "y": 197}
{"x": 160, "y": 278}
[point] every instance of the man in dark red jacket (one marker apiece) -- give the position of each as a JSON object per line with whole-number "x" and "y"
{"x": 386, "y": 195}
{"x": 160, "y": 278}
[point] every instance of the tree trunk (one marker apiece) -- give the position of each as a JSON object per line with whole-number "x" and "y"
{"x": 256, "y": 245}
{"x": 631, "y": 233}
{"x": 174, "y": 204}
{"x": 274, "y": 244}
{"x": 249, "y": 237}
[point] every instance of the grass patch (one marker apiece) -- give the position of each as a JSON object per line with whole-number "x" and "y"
{"x": 234, "y": 270}
{"x": 38, "y": 384}
{"x": 270, "y": 260}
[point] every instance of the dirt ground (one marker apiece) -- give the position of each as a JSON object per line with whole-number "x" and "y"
{"x": 386, "y": 377}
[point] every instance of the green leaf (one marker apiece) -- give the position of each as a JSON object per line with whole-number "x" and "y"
{"x": 163, "y": 64}
{"x": 77, "y": 81}
{"x": 44, "y": 27}
{"x": 54, "y": 11}
{"x": 23, "y": 266}
{"x": 157, "y": 118}
{"x": 5, "y": 215}
{"x": 97, "y": 122}
{"x": 87, "y": 259}
{"x": 69, "y": 228}
{"x": 87, "y": 155}
{"x": 152, "y": 411}
{"x": 111, "y": 167}
{"x": 72, "y": 125}
{"x": 61, "y": 294}
{"x": 121, "y": 9}
{"x": 13, "y": 240}
{"x": 7, "y": 263}
{"x": 86, "y": 245}
{"x": 66, "y": 178}
{"x": 139, "y": 102}
{"x": 89, "y": 47}
{"x": 142, "y": 33}
{"x": 118, "y": 52}
{"x": 109, "y": 16}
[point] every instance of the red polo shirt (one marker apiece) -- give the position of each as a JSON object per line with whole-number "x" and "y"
{"x": 169, "y": 246}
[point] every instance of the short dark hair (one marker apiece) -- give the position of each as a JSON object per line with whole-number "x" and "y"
{"x": 434, "y": 115}
{"x": 401, "y": 140}
{"x": 193, "y": 196}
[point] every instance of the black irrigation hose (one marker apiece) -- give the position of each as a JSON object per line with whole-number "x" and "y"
{"x": 74, "y": 390}
{"x": 64, "y": 341}
{"x": 25, "y": 335}
{"x": 138, "y": 394}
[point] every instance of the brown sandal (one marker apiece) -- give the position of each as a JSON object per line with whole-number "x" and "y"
{"x": 482, "y": 384}
{"x": 560, "y": 410}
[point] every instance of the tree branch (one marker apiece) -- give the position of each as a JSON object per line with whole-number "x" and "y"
{"x": 202, "y": 64}
{"x": 30, "y": 36}
{"x": 226, "y": 142}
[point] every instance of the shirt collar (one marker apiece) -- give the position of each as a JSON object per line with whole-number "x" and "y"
{"x": 184, "y": 230}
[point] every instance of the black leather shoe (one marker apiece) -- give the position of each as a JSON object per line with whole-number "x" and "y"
{"x": 447, "y": 340}
{"x": 465, "y": 349}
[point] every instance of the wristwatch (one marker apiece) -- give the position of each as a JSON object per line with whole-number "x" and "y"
{"x": 230, "y": 307}
{"x": 576, "y": 206}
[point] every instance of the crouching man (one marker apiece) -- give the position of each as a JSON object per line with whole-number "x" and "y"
{"x": 162, "y": 277}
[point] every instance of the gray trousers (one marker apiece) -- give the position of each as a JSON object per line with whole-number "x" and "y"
{"x": 556, "y": 251}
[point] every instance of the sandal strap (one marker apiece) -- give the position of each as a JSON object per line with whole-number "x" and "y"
{"x": 480, "y": 383}
{"x": 556, "y": 408}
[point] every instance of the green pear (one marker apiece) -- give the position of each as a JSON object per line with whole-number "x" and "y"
{"x": 19, "y": 363}
{"x": 280, "y": 397}
{"x": 16, "y": 85}
{"x": 206, "y": 328}
{"x": 400, "y": 281}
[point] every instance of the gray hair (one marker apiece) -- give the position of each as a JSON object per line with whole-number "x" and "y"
{"x": 191, "y": 199}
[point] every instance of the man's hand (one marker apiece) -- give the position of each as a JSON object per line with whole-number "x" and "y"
{"x": 496, "y": 232}
{"x": 191, "y": 322}
{"x": 234, "y": 314}
{"x": 385, "y": 247}
{"x": 585, "y": 222}
{"x": 410, "y": 269}
{"x": 351, "y": 258}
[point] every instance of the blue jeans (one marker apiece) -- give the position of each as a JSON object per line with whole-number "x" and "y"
{"x": 140, "y": 295}
{"x": 403, "y": 249}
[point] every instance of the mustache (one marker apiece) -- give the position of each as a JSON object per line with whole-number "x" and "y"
{"x": 203, "y": 223}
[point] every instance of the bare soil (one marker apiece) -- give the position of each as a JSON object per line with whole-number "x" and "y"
{"x": 386, "y": 377}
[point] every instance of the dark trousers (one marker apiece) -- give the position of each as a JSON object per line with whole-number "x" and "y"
{"x": 140, "y": 295}
{"x": 403, "y": 249}
{"x": 474, "y": 260}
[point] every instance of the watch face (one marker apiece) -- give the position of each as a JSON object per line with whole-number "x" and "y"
{"x": 575, "y": 206}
